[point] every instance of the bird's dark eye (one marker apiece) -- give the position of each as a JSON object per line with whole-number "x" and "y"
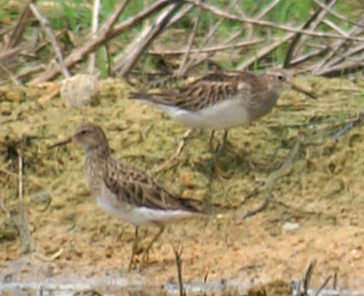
{"x": 280, "y": 77}
{"x": 84, "y": 132}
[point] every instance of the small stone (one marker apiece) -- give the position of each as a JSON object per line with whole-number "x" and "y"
{"x": 290, "y": 226}
{"x": 80, "y": 90}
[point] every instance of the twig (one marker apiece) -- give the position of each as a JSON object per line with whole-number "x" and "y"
{"x": 264, "y": 52}
{"x": 50, "y": 258}
{"x": 25, "y": 238}
{"x": 299, "y": 40}
{"x": 11, "y": 53}
{"x": 104, "y": 35}
{"x": 12, "y": 77}
{"x": 255, "y": 211}
{"x": 183, "y": 65}
{"x": 310, "y": 55}
{"x": 10, "y": 173}
{"x": 27, "y": 72}
{"x": 335, "y": 27}
{"x": 20, "y": 26}
{"x": 337, "y": 15}
{"x": 108, "y": 25}
{"x": 44, "y": 22}
{"x": 306, "y": 280}
{"x": 194, "y": 60}
{"x": 342, "y": 68}
{"x": 178, "y": 255}
{"x": 335, "y": 48}
{"x": 308, "y": 275}
{"x": 179, "y": 15}
{"x": 248, "y": 28}
{"x": 300, "y": 287}
{"x": 219, "y": 12}
{"x": 316, "y": 21}
{"x": 95, "y": 24}
{"x": 348, "y": 126}
{"x": 134, "y": 50}
{"x": 215, "y": 48}
{"x": 354, "y": 50}
{"x": 267, "y": 9}
{"x": 323, "y": 285}
{"x": 171, "y": 162}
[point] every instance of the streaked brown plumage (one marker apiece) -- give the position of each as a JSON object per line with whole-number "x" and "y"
{"x": 127, "y": 192}
{"x": 221, "y": 100}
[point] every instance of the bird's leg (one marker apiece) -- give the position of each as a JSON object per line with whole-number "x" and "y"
{"x": 134, "y": 249}
{"x": 211, "y": 144}
{"x": 149, "y": 246}
{"x": 171, "y": 161}
{"x": 221, "y": 147}
{"x": 215, "y": 165}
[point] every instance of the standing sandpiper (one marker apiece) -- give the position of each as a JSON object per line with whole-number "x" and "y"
{"x": 127, "y": 192}
{"x": 222, "y": 100}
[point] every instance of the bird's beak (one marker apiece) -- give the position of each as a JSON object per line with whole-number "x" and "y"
{"x": 304, "y": 91}
{"x": 61, "y": 143}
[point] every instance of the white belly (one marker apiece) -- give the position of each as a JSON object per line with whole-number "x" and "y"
{"x": 223, "y": 115}
{"x": 141, "y": 215}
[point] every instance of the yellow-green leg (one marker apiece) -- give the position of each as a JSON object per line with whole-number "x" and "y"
{"x": 217, "y": 153}
{"x": 134, "y": 249}
{"x": 146, "y": 250}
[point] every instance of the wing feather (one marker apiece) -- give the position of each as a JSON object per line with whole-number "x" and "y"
{"x": 206, "y": 91}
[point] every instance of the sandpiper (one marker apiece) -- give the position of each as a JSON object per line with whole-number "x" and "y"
{"x": 223, "y": 100}
{"x": 127, "y": 192}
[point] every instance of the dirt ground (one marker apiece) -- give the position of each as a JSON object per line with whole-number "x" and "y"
{"x": 315, "y": 185}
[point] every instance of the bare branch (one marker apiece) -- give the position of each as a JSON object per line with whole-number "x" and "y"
{"x": 308, "y": 56}
{"x": 10, "y": 75}
{"x": 345, "y": 67}
{"x": 346, "y": 55}
{"x": 95, "y": 24}
{"x": 111, "y": 21}
{"x": 44, "y": 22}
{"x": 134, "y": 50}
{"x": 20, "y": 26}
{"x": 337, "y": 15}
{"x": 108, "y": 33}
{"x": 7, "y": 54}
{"x": 264, "y": 52}
{"x": 335, "y": 27}
{"x": 299, "y": 39}
{"x": 206, "y": 49}
{"x": 194, "y": 60}
{"x": 267, "y": 9}
{"x": 335, "y": 48}
{"x": 180, "y": 14}
{"x": 219, "y": 12}
{"x": 183, "y": 65}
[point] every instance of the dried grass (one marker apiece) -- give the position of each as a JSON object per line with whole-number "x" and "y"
{"x": 322, "y": 187}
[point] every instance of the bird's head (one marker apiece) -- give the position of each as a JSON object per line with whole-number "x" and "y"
{"x": 90, "y": 136}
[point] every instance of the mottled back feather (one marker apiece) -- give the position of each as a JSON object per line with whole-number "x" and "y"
{"x": 129, "y": 184}
{"x": 208, "y": 90}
